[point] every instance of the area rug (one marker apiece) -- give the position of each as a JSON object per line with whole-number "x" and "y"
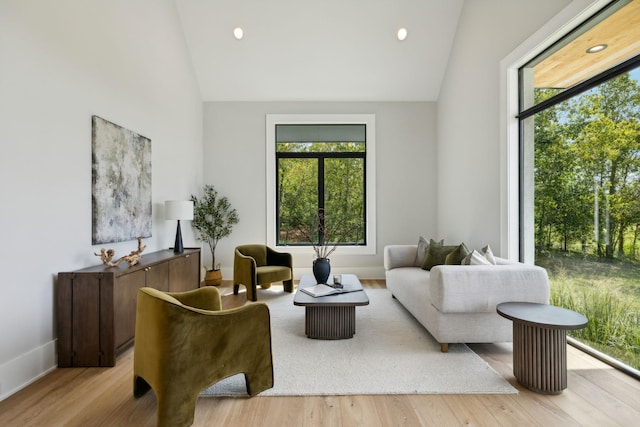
{"x": 391, "y": 353}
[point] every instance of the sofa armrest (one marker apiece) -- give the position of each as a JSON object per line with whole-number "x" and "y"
{"x": 479, "y": 288}
{"x": 397, "y": 256}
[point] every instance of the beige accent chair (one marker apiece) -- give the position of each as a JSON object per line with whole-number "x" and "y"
{"x": 185, "y": 343}
{"x": 259, "y": 265}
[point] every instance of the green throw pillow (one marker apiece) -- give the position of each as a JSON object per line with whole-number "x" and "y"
{"x": 456, "y": 256}
{"x": 421, "y": 251}
{"x": 436, "y": 254}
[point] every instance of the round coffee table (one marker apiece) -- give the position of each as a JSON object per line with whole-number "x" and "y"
{"x": 540, "y": 343}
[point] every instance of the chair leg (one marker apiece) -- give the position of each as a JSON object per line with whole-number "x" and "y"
{"x": 258, "y": 382}
{"x": 140, "y": 386}
{"x": 176, "y": 409}
{"x": 288, "y": 285}
{"x": 252, "y": 293}
{"x": 444, "y": 347}
{"x": 236, "y": 288}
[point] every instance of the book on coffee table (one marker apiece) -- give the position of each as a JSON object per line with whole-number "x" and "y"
{"x": 322, "y": 290}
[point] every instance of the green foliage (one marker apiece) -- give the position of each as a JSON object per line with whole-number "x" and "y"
{"x": 325, "y": 233}
{"x": 338, "y": 218}
{"x": 607, "y": 293}
{"x": 587, "y": 157}
{"x": 298, "y": 195}
{"x": 213, "y": 218}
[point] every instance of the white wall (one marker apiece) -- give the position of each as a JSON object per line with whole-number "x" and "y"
{"x": 61, "y": 62}
{"x": 234, "y": 156}
{"x": 469, "y": 170}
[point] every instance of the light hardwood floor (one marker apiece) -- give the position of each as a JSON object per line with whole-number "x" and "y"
{"x": 597, "y": 395}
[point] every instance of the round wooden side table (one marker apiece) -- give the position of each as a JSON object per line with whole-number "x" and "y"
{"x": 540, "y": 343}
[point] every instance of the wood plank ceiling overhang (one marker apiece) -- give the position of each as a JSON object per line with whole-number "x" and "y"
{"x": 571, "y": 64}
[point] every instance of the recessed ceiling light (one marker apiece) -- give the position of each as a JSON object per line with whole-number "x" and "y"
{"x": 402, "y": 33}
{"x": 597, "y": 48}
{"x": 238, "y": 33}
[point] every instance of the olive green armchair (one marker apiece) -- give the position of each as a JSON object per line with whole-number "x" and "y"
{"x": 184, "y": 343}
{"x": 259, "y": 265}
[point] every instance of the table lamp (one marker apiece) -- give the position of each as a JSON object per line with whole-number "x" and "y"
{"x": 177, "y": 210}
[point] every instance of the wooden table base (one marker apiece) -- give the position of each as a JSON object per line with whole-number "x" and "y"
{"x": 540, "y": 343}
{"x": 540, "y": 358}
{"x": 330, "y": 322}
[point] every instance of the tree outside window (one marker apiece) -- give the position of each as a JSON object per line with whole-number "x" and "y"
{"x": 587, "y": 209}
{"x": 321, "y": 187}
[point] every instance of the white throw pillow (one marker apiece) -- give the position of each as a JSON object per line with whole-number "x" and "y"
{"x": 423, "y": 245}
{"x": 475, "y": 258}
{"x": 488, "y": 254}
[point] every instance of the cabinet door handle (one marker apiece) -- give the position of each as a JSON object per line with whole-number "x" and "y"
{"x": 187, "y": 256}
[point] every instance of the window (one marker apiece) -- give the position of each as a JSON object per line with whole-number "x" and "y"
{"x": 321, "y": 182}
{"x": 580, "y": 178}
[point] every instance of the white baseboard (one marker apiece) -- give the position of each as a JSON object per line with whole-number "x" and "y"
{"x": 25, "y": 369}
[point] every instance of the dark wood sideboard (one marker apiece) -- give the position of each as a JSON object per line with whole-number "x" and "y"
{"x": 96, "y": 306}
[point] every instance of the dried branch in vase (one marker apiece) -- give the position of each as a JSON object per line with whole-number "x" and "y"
{"x": 330, "y": 233}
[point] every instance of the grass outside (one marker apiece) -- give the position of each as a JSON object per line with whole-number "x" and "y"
{"x": 607, "y": 292}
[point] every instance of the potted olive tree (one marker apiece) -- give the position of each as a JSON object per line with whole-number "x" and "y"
{"x": 213, "y": 219}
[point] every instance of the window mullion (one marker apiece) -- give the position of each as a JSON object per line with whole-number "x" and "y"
{"x": 321, "y": 200}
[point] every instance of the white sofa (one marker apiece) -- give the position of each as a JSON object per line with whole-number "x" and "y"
{"x": 457, "y": 303}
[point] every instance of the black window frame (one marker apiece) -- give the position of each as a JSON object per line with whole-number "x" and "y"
{"x": 321, "y": 156}
{"x": 622, "y": 68}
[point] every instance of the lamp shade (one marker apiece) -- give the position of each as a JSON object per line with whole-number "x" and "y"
{"x": 178, "y": 209}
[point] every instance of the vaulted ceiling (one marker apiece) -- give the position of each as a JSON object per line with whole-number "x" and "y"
{"x": 329, "y": 50}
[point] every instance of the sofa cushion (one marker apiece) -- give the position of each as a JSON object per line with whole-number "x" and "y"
{"x": 421, "y": 251}
{"x": 410, "y": 286}
{"x": 436, "y": 254}
{"x": 488, "y": 254}
{"x": 479, "y": 288}
{"x": 475, "y": 258}
{"x": 456, "y": 256}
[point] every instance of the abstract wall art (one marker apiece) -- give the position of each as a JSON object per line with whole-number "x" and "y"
{"x": 121, "y": 183}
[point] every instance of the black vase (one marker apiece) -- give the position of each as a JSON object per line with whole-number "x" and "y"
{"x": 321, "y": 269}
